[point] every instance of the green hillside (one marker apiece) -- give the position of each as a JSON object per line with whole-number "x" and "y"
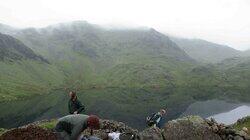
{"x": 89, "y": 55}
{"x": 123, "y": 74}
{"x": 229, "y": 79}
{"x": 204, "y": 51}
{"x": 244, "y": 122}
{"x": 24, "y": 73}
{"x": 84, "y": 56}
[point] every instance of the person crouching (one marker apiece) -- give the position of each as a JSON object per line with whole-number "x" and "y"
{"x": 71, "y": 126}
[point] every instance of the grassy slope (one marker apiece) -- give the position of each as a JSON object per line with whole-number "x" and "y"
{"x": 27, "y": 77}
{"x": 228, "y": 79}
{"x": 51, "y": 124}
{"x": 244, "y": 123}
{"x": 115, "y": 71}
{"x": 89, "y": 55}
{"x": 24, "y": 73}
{"x": 123, "y": 104}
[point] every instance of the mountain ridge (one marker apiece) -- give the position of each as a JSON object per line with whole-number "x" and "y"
{"x": 13, "y": 49}
{"x": 99, "y": 50}
{"x": 90, "y": 56}
{"x": 205, "y": 51}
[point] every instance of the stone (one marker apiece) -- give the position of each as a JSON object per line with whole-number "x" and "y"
{"x": 242, "y": 133}
{"x": 238, "y": 138}
{"x": 189, "y": 128}
{"x": 245, "y": 129}
{"x": 230, "y": 137}
{"x": 152, "y": 133}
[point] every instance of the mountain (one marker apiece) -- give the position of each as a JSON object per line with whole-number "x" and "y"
{"x": 229, "y": 78}
{"x": 91, "y": 55}
{"x": 112, "y": 70}
{"x": 5, "y": 29}
{"x": 204, "y": 51}
{"x": 246, "y": 53}
{"x": 23, "y": 73}
{"x": 238, "y": 74}
{"x": 13, "y": 49}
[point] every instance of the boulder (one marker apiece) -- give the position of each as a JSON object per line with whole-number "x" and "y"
{"x": 30, "y": 132}
{"x": 108, "y": 126}
{"x": 189, "y": 128}
{"x": 152, "y": 133}
{"x": 238, "y": 138}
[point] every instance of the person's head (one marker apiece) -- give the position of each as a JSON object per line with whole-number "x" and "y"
{"x": 93, "y": 122}
{"x": 163, "y": 111}
{"x": 72, "y": 95}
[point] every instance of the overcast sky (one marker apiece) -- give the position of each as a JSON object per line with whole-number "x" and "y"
{"x": 221, "y": 21}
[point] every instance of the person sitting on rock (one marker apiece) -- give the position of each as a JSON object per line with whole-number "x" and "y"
{"x": 74, "y": 105}
{"x": 71, "y": 126}
{"x": 154, "y": 119}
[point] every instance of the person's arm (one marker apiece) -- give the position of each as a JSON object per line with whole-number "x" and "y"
{"x": 80, "y": 107}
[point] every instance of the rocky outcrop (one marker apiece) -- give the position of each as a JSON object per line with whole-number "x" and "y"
{"x": 186, "y": 128}
{"x": 151, "y": 134}
{"x": 245, "y": 122}
{"x": 227, "y": 132}
{"x": 30, "y": 132}
{"x": 108, "y": 126}
{"x": 189, "y": 128}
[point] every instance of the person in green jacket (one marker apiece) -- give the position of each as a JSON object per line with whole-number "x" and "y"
{"x": 74, "y": 105}
{"x": 70, "y": 127}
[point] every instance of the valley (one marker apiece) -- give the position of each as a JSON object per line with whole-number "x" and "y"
{"x": 118, "y": 74}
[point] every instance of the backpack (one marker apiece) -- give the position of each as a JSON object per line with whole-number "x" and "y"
{"x": 151, "y": 120}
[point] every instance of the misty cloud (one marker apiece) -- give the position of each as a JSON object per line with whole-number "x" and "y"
{"x": 221, "y": 21}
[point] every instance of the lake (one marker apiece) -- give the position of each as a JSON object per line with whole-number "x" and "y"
{"x": 130, "y": 106}
{"x": 222, "y": 111}
{"x": 232, "y": 116}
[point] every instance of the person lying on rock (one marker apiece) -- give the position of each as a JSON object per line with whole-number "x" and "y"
{"x": 71, "y": 126}
{"x": 155, "y": 118}
{"x": 74, "y": 105}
